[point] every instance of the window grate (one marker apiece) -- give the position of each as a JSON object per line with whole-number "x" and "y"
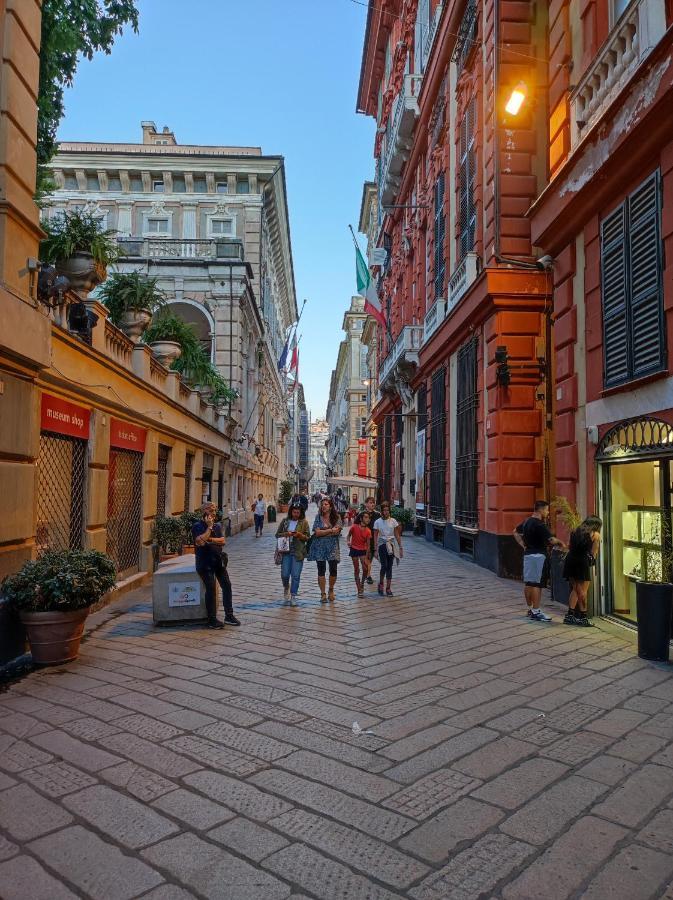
{"x": 439, "y": 235}
{"x": 124, "y": 512}
{"x": 467, "y": 457}
{"x": 189, "y": 469}
{"x": 162, "y": 480}
{"x": 467, "y": 36}
{"x": 61, "y": 474}
{"x": 437, "y": 463}
{"x": 466, "y": 179}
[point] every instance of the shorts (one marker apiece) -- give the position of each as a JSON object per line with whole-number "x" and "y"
{"x": 533, "y": 568}
{"x": 357, "y": 553}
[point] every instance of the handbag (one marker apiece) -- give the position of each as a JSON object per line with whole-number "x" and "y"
{"x": 283, "y": 544}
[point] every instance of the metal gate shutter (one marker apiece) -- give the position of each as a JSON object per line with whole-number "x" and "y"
{"x": 162, "y": 479}
{"x": 61, "y": 479}
{"x": 124, "y": 513}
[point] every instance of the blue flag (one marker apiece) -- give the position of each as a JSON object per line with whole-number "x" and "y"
{"x": 283, "y": 355}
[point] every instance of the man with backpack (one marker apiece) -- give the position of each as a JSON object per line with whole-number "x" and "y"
{"x": 535, "y": 538}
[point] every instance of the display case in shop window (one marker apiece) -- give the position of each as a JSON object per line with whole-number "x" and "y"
{"x": 642, "y": 543}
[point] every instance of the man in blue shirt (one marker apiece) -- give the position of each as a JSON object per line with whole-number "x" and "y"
{"x": 210, "y": 564}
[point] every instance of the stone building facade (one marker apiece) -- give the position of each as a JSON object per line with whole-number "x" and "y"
{"x": 211, "y": 224}
{"x": 318, "y": 434}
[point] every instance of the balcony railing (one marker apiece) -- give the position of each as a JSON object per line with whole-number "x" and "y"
{"x": 430, "y": 37}
{"x": 433, "y": 318}
{"x": 181, "y": 248}
{"x": 406, "y": 346}
{"x": 463, "y": 276}
{"x": 636, "y": 33}
{"x": 399, "y": 138}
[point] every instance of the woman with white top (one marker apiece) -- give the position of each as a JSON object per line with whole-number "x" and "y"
{"x": 295, "y": 528}
{"x": 388, "y": 541}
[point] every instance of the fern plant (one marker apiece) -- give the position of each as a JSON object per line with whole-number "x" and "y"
{"x": 127, "y": 291}
{"x": 74, "y": 232}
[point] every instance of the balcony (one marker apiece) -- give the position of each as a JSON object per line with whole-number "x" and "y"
{"x": 464, "y": 275}
{"x": 433, "y": 318}
{"x": 181, "y": 248}
{"x": 404, "y": 352}
{"x": 399, "y": 138}
{"x": 637, "y": 32}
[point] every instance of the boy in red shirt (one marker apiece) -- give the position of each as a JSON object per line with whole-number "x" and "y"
{"x": 358, "y": 540}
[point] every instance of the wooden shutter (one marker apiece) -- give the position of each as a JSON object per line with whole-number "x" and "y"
{"x": 647, "y": 327}
{"x": 614, "y": 297}
{"x": 440, "y": 230}
{"x": 467, "y": 175}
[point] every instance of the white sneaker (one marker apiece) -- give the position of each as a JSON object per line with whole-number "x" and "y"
{"x": 293, "y": 600}
{"x": 539, "y": 616}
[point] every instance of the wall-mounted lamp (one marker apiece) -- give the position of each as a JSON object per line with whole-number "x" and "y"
{"x": 516, "y": 99}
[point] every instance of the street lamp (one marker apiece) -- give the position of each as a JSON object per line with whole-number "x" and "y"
{"x": 516, "y": 99}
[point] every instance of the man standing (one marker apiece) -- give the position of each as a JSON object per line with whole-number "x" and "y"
{"x": 535, "y": 538}
{"x": 259, "y": 509}
{"x": 211, "y": 564}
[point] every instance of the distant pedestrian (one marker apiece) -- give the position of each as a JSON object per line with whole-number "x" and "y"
{"x": 359, "y": 536}
{"x": 388, "y": 540}
{"x": 578, "y": 566}
{"x": 535, "y": 537}
{"x": 295, "y": 528}
{"x": 259, "y": 509}
{"x": 211, "y": 565}
{"x": 324, "y": 549}
{"x": 374, "y": 512}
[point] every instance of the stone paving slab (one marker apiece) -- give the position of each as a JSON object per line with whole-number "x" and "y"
{"x": 508, "y": 760}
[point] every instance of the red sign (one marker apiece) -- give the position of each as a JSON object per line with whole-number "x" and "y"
{"x": 362, "y": 457}
{"x": 126, "y": 436}
{"x": 64, "y": 417}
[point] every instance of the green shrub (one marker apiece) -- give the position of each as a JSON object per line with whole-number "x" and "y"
{"x": 126, "y": 291}
{"x": 62, "y": 580}
{"x": 74, "y": 232}
{"x": 187, "y": 519}
{"x": 168, "y": 533}
{"x": 286, "y": 491}
{"x": 403, "y": 514}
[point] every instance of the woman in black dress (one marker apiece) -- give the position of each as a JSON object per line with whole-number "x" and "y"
{"x": 583, "y": 548}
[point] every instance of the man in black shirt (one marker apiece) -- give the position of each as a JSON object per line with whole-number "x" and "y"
{"x": 535, "y": 538}
{"x": 210, "y": 564}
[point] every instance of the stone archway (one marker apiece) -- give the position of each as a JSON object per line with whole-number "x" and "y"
{"x": 200, "y": 318}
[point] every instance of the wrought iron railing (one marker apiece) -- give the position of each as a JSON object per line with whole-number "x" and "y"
{"x": 430, "y": 36}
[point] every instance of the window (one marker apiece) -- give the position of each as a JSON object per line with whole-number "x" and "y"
{"x": 437, "y": 462}
{"x": 222, "y": 227}
{"x": 114, "y": 183}
{"x": 467, "y": 457}
{"x": 92, "y": 182}
{"x": 179, "y": 184}
{"x": 242, "y": 186}
{"x": 158, "y": 186}
{"x": 222, "y": 187}
{"x": 466, "y": 178}
{"x": 157, "y": 226}
{"x": 440, "y": 229}
{"x": 200, "y": 186}
{"x": 631, "y": 286}
{"x": 136, "y": 182}
{"x": 70, "y": 181}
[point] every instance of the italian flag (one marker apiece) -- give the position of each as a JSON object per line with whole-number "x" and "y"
{"x": 367, "y": 288}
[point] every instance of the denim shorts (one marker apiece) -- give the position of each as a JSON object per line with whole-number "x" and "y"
{"x": 533, "y": 567}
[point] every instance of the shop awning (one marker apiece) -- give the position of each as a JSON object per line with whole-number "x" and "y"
{"x": 356, "y": 481}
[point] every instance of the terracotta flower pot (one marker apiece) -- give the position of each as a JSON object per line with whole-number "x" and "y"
{"x": 134, "y": 323}
{"x": 82, "y": 271}
{"x": 166, "y": 351}
{"x": 54, "y": 636}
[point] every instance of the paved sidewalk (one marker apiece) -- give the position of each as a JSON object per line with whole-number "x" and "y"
{"x": 507, "y": 758}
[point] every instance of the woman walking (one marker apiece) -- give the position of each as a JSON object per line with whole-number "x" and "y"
{"x": 583, "y": 548}
{"x": 388, "y": 540}
{"x": 358, "y": 540}
{"x": 324, "y": 549}
{"x": 295, "y": 528}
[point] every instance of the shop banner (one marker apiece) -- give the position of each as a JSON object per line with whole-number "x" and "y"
{"x": 125, "y": 436}
{"x": 63, "y": 417}
{"x": 362, "y": 457}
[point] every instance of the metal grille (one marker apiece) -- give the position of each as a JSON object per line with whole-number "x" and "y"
{"x": 162, "y": 480}
{"x": 437, "y": 467}
{"x": 61, "y": 473}
{"x": 189, "y": 469}
{"x": 386, "y": 481}
{"x": 124, "y": 509}
{"x": 467, "y": 457}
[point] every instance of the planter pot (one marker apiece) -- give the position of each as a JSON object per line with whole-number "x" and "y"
{"x": 283, "y": 507}
{"x": 188, "y": 548}
{"x": 134, "y": 323}
{"x": 83, "y": 273}
{"x": 166, "y": 351}
{"x": 54, "y": 636}
{"x": 654, "y": 605}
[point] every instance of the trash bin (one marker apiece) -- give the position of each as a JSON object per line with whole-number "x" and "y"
{"x": 271, "y": 513}
{"x": 654, "y": 604}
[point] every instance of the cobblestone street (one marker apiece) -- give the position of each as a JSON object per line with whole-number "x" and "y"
{"x": 507, "y": 758}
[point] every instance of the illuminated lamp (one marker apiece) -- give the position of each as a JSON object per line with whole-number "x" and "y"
{"x": 516, "y": 99}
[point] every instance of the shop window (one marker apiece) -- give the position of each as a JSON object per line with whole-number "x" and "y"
{"x": 466, "y": 180}
{"x": 439, "y": 234}
{"x": 162, "y": 479}
{"x": 207, "y": 478}
{"x": 631, "y": 287}
{"x": 61, "y": 472}
{"x": 437, "y": 463}
{"x": 467, "y": 457}
{"x": 125, "y": 482}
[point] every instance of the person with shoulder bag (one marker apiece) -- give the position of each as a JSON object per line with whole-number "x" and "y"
{"x": 292, "y": 537}
{"x": 211, "y": 565}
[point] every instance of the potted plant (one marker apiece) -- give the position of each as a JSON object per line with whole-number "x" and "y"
{"x": 53, "y": 595}
{"x": 132, "y": 299}
{"x": 654, "y": 589}
{"x": 79, "y": 248}
{"x": 168, "y": 534}
{"x": 404, "y": 516}
{"x": 285, "y": 494}
{"x": 187, "y": 519}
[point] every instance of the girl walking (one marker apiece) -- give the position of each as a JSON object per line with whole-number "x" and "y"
{"x": 583, "y": 548}
{"x": 358, "y": 541}
{"x": 388, "y": 540}
{"x": 324, "y": 549}
{"x": 295, "y": 528}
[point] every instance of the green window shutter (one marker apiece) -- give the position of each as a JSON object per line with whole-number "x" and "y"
{"x": 614, "y": 298}
{"x": 645, "y": 279}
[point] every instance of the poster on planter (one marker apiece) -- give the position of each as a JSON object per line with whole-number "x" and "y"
{"x": 184, "y": 593}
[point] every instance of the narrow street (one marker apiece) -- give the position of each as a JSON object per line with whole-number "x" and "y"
{"x": 506, "y": 758}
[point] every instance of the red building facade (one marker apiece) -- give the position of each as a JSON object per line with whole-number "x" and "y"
{"x": 464, "y": 408}
{"x": 606, "y": 218}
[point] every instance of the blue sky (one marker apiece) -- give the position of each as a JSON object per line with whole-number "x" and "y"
{"x": 282, "y": 76}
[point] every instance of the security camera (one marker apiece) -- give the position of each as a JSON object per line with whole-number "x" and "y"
{"x": 545, "y": 262}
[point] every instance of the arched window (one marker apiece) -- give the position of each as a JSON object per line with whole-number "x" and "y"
{"x": 200, "y": 318}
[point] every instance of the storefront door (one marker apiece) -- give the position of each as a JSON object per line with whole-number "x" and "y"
{"x": 125, "y": 496}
